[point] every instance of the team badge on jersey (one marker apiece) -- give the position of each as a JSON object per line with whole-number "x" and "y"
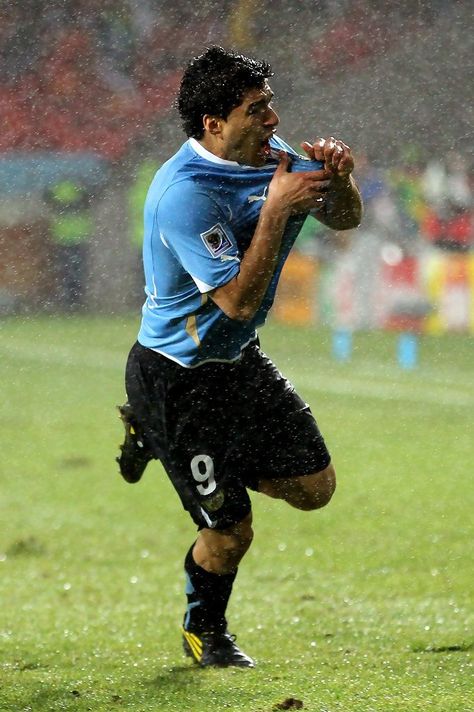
{"x": 216, "y": 240}
{"x": 215, "y": 502}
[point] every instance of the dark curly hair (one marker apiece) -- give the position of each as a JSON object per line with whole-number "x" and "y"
{"x": 214, "y": 83}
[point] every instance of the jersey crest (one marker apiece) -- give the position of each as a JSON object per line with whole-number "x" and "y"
{"x": 216, "y": 240}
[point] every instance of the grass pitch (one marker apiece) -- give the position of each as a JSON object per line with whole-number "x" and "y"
{"x": 365, "y": 606}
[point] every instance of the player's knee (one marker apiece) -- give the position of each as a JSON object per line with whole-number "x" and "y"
{"x": 228, "y": 546}
{"x": 233, "y": 550}
{"x": 317, "y": 490}
{"x": 241, "y": 537}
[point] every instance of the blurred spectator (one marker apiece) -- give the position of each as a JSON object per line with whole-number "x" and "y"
{"x": 406, "y": 183}
{"x": 448, "y": 180}
{"x": 70, "y": 78}
{"x": 450, "y": 228}
{"x": 448, "y": 223}
{"x": 355, "y": 34}
{"x": 71, "y": 227}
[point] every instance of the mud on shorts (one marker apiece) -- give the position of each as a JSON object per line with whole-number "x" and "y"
{"x": 219, "y": 428}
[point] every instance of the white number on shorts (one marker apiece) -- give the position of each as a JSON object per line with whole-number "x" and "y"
{"x": 202, "y": 468}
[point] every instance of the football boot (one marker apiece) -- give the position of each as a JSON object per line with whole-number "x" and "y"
{"x": 134, "y": 455}
{"x": 215, "y": 649}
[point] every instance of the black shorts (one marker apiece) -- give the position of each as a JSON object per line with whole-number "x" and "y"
{"x": 219, "y": 428}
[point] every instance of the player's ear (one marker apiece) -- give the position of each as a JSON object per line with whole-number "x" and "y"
{"x": 212, "y": 124}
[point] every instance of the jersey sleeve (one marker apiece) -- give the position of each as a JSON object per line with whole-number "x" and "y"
{"x": 193, "y": 224}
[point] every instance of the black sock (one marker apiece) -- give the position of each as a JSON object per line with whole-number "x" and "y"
{"x": 208, "y": 595}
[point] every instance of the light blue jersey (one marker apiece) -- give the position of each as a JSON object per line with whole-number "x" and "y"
{"x": 200, "y": 215}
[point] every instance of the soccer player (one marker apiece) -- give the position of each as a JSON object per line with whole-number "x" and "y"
{"x": 221, "y": 216}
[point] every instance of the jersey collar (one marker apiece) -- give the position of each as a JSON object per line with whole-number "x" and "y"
{"x": 204, "y": 153}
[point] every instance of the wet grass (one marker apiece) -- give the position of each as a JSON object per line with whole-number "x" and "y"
{"x": 365, "y": 606}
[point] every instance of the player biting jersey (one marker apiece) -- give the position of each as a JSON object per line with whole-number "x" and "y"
{"x": 200, "y": 216}
{"x": 220, "y": 219}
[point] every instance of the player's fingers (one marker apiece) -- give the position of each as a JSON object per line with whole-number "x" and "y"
{"x": 328, "y": 150}
{"x": 283, "y": 163}
{"x": 345, "y": 165}
{"x": 337, "y": 155}
{"x": 308, "y": 148}
{"x": 318, "y": 147}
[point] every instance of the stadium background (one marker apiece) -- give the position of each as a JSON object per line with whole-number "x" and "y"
{"x": 86, "y": 94}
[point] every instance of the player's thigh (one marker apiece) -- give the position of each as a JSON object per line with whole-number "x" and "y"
{"x": 291, "y": 447}
{"x": 183, "y": 415}
{"x": 306, "y": 492}
{"x": 280, "y": 437}
{"x": 298, "y": 468}
{"x": 213, "y": 494}
{"x": 200, "y": 458}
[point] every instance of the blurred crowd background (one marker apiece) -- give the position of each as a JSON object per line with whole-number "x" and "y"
{"x": 87, "y": 115}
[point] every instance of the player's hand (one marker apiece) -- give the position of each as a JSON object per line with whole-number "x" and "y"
{"x": 337, "y": 156}
{"x": 297, "y": 192}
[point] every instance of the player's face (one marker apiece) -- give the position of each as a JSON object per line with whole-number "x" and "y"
{"x": 248, "y": 127}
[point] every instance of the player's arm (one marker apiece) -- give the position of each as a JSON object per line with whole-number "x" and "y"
{"x": 288, "y": 193}
{"x": 342, "y": 206}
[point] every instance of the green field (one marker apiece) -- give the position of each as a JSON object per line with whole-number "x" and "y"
{"x": 363, "y": 606}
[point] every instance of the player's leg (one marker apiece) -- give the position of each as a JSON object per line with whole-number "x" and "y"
{"x": 189, "y": 420}
{"x": 220, "y": 551}
{"x": 220, "y": 506}
{"x": 305, "y": 492}
{"x": 178, "y": 415}
{"x": 289, "y": 456}
{"x": 211, "y": 567}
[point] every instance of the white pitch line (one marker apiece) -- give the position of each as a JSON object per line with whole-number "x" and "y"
{"x": 395, "y": 389}
{"x": 55, "y": 354}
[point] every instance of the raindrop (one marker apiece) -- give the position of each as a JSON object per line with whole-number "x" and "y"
{"x": 392, "y": 254}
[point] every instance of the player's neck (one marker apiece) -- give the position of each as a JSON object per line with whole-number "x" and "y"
{"x": 214, "y": 145}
